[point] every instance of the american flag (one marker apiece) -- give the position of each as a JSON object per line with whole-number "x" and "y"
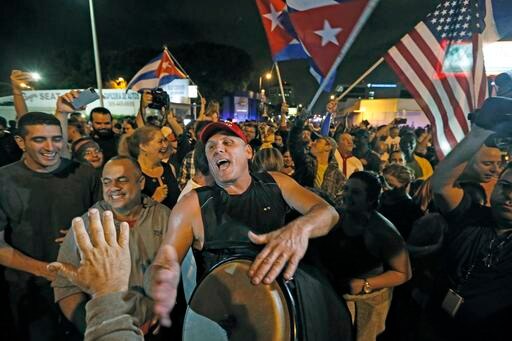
{"x": 441, "y": 63}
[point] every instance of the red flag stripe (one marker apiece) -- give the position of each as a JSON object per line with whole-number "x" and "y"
{"x": 454, "y": 87}
{"x": 422, "y": 95}
{"x": 408, "y": 83}
{"x": 419, "y": 59}
{"x": 482, "y": 87}
{"x": 433, "y": 87}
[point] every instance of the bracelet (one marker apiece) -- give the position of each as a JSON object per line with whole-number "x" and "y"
{"x": 17, "y": 94}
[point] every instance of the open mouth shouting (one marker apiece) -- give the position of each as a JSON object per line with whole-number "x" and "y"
{"x": 223, "y": 164}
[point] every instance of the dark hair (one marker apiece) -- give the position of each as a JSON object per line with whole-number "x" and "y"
{"x": 75, "y": 114}
{"x": 131, "y": 122}
{"x": 74, "y": 122}
{"x": 3, "y": 122}
{"x": 140, "y": 136}
{"x": 76, "y": 144}
{"x": 36, "y": 118}
{"x": 419, "y": 131}
{"x": 101, "y": 111}
{"x": 129, "y": 158}
{"x": 475, "y": 191}
{"x": 200, "y": 160}
{"x": 200, "y": 126}
{"x": 373, "y": 186}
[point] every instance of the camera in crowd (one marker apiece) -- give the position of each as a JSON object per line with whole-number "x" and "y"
{"x": 156, "y": 111}
{"x": 160, "y": 99}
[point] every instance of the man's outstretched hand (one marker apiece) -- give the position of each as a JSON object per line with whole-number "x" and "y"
{"x": 284, "y": 247}
{"x": 105, "y": 257}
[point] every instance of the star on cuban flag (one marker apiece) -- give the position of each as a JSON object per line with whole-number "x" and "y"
{"x": 323, "y": 27}
{"x": 167, "y": 68}
{"x": 157, "y": 72}
{"x": 281, "y": 36}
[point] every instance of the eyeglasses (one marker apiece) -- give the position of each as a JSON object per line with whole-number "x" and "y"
{"x": 91, "y": 152}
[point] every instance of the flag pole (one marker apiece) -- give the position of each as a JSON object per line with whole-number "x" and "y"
{"x": 182, "y": 69}
{"x": 363, "y": 76}
{"x": 280, "y": 81}
{"x": 357, "y": 28}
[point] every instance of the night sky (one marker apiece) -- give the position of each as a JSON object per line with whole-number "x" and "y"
{"x": 32, "y": 26}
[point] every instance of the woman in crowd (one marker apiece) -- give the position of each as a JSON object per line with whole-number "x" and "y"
{"x": 396, "y": 204}
{"x": 366, "y": 256}
{"x": 129, "y": 126}
{"x": 86, "y": 151}
{"x": 149, "y": 146}
{"x": 268, "y": 160}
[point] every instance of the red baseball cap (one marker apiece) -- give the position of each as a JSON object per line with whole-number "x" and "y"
{"x": 214, "y": 127}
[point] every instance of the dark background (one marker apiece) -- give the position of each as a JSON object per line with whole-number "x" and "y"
{"x": 221, "y": 44}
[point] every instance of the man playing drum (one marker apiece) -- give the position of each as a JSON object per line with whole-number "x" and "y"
{"x": 242, "y": 208}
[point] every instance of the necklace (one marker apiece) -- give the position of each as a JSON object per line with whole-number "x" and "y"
{"x": 155, "y": 172}
{"x": 494, "y": 250}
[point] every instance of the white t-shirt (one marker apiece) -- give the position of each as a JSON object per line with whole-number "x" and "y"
{"x": 351, "y": 163}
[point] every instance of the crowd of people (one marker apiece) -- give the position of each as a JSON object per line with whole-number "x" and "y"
{"x": 383, "y": 240}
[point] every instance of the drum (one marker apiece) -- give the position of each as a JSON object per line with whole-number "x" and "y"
{"x": 227, "y": 306}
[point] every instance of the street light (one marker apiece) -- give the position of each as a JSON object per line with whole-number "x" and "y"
{"x": 119, "y": 83}
{"x": 35, "y": 76}
{"x": 268, "y": 76}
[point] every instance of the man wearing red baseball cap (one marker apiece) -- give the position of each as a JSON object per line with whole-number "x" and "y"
{"x": 245, "y": 209}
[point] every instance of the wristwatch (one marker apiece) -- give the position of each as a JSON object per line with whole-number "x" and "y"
{"x": 366, "y": 287}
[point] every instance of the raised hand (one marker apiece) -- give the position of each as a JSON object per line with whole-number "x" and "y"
{"x": 105, "y": 257}
{"x": 64, "y": 101}
{"x": 20, "y": 80}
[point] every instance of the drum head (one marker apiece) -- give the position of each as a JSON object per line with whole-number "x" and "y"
{"x": 226, "y": 306}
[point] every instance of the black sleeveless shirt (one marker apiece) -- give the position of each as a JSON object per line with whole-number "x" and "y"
{"x": 228, "y": 218}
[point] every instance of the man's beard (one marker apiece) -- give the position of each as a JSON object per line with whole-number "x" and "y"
{"x": 104, "y": 132}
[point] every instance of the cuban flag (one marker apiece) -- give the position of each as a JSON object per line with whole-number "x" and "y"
{"x": 281, "y": 36}
{"x": 159, "y": 71}
{"x": 326, "y": 27}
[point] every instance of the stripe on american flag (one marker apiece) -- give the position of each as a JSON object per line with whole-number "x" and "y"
{"x": 446, "y": 98}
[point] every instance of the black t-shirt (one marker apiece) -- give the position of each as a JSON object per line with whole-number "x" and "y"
{"x": 400, "y": 210}
{"x": 372, "y": 160}
{"x": 35, "y": 206}
{"x": 168, "y": 178}
{"x": 108, "y": 145}
{"x": 470, "y": 241}
{"x": 9, "y": 150}
{"x": 361, "y": 255}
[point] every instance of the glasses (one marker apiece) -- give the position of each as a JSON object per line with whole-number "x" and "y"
{"x": 91, "y": 152}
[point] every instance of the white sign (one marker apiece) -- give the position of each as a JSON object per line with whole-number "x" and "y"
{"x": 118, "y": 101}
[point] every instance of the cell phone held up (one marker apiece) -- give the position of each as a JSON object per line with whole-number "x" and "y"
{"x": 85, "y": 97}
